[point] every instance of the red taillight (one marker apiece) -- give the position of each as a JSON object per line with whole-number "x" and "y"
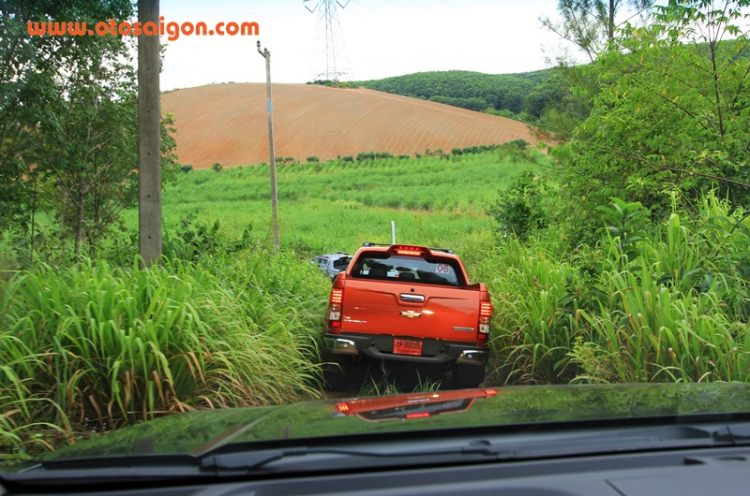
{"x": 337, "y": 296}
{"x": 485, "y": 309}
{"x": 485, "y": 313}
{"x": 342, "y": 407}
{"x": 417, "y": 415}
{"x": 334, "y": 309}
{"x": 409, "y": 251}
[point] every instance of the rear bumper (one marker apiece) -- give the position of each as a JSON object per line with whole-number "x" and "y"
{"x": 380, "y": 347}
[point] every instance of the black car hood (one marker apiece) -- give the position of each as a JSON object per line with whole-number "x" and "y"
{"x": 200, "y": 432}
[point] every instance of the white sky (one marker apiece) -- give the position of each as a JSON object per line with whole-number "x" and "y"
{"x": 383, "y": 38}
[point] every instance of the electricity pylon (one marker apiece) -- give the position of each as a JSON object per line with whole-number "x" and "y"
{"x": 330, "y": 59}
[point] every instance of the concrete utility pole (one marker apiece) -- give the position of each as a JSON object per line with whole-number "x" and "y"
{"x": 149, "y": 139}
{"x": 274, "y": 196}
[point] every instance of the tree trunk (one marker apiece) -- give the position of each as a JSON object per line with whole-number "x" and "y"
{"x": 79, "y": 226}
{"x": 33, "y": 219}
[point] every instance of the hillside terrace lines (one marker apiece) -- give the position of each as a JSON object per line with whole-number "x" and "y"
{"x": 227, "y": 123}
{"x": 309, "y": 110}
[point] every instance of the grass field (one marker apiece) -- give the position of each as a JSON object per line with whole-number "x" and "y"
{"x": 337, "y": 205}
{"x": 105, "y": 343}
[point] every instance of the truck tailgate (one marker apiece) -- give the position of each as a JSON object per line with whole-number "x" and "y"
{"x": 408, "y": 309}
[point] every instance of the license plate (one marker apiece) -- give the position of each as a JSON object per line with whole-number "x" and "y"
{"x": 407, "y": 347}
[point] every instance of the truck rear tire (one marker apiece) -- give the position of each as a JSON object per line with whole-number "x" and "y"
{"x": 467, "y": 376}
{"x": 343, "y": 373}
{"x": 334, "y": 373}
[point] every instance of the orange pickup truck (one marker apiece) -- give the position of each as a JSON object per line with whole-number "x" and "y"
{"x": 414, "y": 304}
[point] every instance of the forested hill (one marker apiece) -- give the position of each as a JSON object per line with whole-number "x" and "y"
{"x": 509, "y": 95}
{"x": 522, "y": 96}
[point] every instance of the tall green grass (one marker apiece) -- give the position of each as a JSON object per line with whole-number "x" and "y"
{"x": 94, "y": 347}
{"x": 665, "y": 308}
{"x": 535, "y": 309}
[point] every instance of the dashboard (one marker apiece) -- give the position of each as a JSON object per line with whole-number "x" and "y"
{"x": 690, "y": 472}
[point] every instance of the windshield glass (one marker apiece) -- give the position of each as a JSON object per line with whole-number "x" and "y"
{"x": 180, "y": 194}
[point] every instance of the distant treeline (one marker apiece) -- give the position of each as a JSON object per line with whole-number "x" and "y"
{"x": 522, "y": 95}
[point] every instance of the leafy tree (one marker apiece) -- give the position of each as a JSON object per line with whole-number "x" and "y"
{"x": 567, "y": 101}
{"x": 88, "y": 138}
{"x": 672, "y": 114}
{"x": 591, "y": 24}
{"x": 68, "y": 117}
{"x": 27, "y": 66}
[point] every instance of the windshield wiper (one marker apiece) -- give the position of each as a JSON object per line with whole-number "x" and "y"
{"x": 492, "y": 448}
{"x": 735, "y": 434}
{"x": 244, "y": 459}
{"x": 249, "y": 461}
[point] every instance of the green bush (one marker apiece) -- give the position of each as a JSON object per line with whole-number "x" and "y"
{"x": 192, "y": 242}
{"x": 523, "y": 207}
{"x": 520, "y": 143}
{"x": 217, "y": 167}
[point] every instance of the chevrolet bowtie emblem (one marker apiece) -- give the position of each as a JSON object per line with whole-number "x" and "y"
{"x": 411, "y": 314}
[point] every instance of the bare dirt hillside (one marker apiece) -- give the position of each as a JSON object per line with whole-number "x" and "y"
{"x": 227, "y": 123}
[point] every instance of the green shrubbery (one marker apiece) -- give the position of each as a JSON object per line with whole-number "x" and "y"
{"x": 94, "y": 346}
{"x": 639, "y": 307}
{"x": 373, "y": 156}
{"x": 524, "y": 207}
{"x": 334, "y": 84}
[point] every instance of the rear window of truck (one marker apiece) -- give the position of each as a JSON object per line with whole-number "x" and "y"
{"x": 396, "y": 268}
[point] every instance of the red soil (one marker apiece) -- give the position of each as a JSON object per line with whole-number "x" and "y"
{"x": 227, "y": 123}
